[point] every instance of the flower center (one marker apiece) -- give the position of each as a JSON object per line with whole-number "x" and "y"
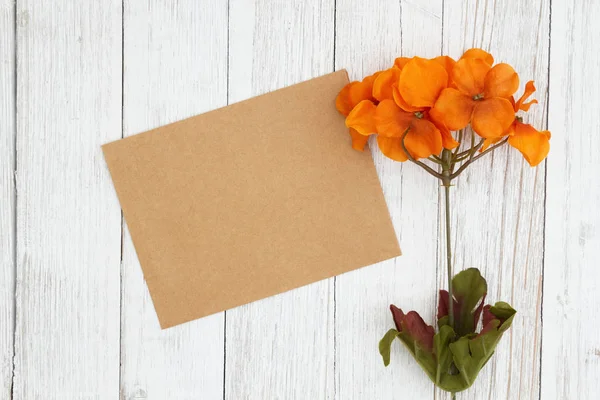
{"x": 419, "y": 114}
{"x": 478, "y": 96}
{"x": 518, "y": 118}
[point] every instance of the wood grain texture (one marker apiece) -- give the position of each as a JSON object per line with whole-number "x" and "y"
{"x": 571, "y": 343}
{"x": 68, "y": 219}
{"x": 7, "y": 194}
{"x": 175, "y": 66}
{"x": 368, "y": 38}
{"x": 280, "y": 347}
{"x": 498, "y": 203}
{"x": 320, "y": 341}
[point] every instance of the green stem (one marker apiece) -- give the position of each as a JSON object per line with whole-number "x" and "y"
{"x": 453, "y": 396}
{"x": 449, "y": 257}
{"x": 427, "y": 168}
{"x": 447, "y": 178}
{"x": 473, "y": 159}
{"x": 435, "y": 159}
{"x": 460, "y": 139}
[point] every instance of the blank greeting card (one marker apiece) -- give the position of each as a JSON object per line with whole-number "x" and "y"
{"x": 249, "y": 201}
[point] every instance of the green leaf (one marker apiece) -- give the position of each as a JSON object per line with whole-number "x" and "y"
{"x": 470, "y": 354}
{"x": 441, "y": 341}
{"x": 385, "y": 345}
{"x": 469, "y": 289}
{"x": 445, "y": 320}
{"x": 448, "y": 377}
{"x": 424, "y": 357}
{"x": 505, "y": 313}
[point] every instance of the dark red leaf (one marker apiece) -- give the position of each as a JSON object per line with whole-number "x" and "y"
{"x": 398, "y": 316}
{"x": 414, "y": 326}
{"x": 443, "y": 305}
{"x": 458, "y": 304}
{"x": 487, "y": 315}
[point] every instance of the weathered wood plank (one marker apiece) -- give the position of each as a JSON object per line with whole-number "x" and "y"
{"x": 68, "y": 219}
{"x": 571, "y": 342}
{"x": 498, "y": 203}
{"x": 368, "y": 38}
{"x": 7, "y": 193}
{"x": 175, "y": 66}
{"x": 280, "y": 347}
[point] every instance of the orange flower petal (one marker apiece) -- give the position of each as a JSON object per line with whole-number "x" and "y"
{"x": 400, "y": 62}
{"x": 492, "y": 117}
{"x": 355, "y": 92}
{"x": 488, "y": 142}
{"x": 501, "y": 81}
{"x": 479, "y": 54}
{"x": 529, "y": 90}
{"x": 453, "y": 109}
{"x": 423, "y": 139}
{"x": 448, "y": 141}
{"x": 533, "y": 144}
{"x": 511, "y": 129}
{"x": 448, "y": 64}
{"x": 390, "y": 120}
{"x": 392, "y": 148}
{"x": 358, "y": 141}
{"x": 342, "y": 101}
{"x": 360, "y": 91}
{"x": 525, "y": 106}
{"x": 469, "y": 74}
{"x": 421, "y": 82}
{"x": 382, "y": 86}
{"x": 361, "y": 118}
{"x": 513, "y": 103}
{"x": 402, "y": 103}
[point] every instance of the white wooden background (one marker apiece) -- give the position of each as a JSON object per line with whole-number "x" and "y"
{"x": 76, "y": 320}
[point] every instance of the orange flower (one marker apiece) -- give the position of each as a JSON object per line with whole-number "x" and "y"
{"x": 422, "y": 139}
{"x": 349, "y": 97}
{"x": 419, "y": 85}
{"x": 421, "y": 81}
{"x": 406, "y": 93}
{"x": 361, "y": 118}
{"x": 533, "y": 144}
{"x": 480, "y": 96}
{"x": 355, "y": 92}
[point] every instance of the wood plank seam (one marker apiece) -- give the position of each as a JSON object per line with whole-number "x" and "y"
{"x": 335, "y": 377}
{"x": 543, "y": 274}
{"x": 15, "y": 198}
{"x": 227, "y": 86}
{"x": 122, "y": 224}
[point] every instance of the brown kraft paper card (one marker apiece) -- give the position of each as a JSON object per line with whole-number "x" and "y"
{"x": 249, "y": 201}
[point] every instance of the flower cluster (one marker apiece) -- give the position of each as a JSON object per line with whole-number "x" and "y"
{"x": 414, "y": 106}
